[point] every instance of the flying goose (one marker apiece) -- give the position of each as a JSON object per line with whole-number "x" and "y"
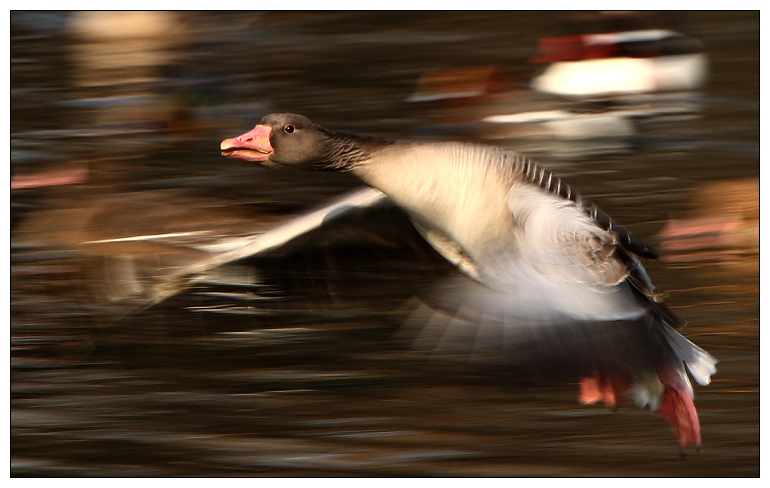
{"x": 539, "y": 259}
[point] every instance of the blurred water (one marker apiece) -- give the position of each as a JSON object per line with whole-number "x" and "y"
{"x": 297, "y": 369}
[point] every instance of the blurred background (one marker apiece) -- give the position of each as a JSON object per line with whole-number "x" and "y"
{"x": 291, "y": 364}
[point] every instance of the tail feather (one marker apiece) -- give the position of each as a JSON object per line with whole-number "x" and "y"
{"x": 699, "y": 363}
{"x": 676, "y": 404}
{"x": 666, "y": 390}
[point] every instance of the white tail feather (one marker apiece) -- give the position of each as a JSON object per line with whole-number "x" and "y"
{"x": 700, "y": 364}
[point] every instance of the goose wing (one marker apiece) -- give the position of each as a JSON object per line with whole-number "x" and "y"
{"x": 566, "y": 280}
{"x": 185, "y": 241}
{"x": 560, "y": 256}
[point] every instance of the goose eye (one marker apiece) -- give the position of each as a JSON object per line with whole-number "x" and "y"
{"x": 288, "y": 129}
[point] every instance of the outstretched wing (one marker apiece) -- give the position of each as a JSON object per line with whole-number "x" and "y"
{"x": 141, "y": 261}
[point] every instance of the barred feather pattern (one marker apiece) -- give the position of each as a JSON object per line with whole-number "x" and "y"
{"x": 345, "y": 151}
{"x": 533, "y": 173}
{"x": 527, "y": 170}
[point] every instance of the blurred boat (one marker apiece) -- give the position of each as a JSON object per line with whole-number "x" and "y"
{"x": 473, "y": 103}
{"x": 611, "y": 81}
{"x": 597, "y": 65}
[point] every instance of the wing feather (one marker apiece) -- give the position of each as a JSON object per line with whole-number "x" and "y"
{"x": 580, "y": 239}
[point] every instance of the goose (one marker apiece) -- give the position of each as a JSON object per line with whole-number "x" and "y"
{"x": 552, "y": 270}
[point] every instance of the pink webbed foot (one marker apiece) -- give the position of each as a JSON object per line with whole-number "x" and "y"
{"x": 678, "y": 408}
{"x": 609, "y": 389}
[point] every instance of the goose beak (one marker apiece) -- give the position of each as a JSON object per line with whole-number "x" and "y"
{"x": 252, "y": 146}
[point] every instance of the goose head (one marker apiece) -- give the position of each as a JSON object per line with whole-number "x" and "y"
{"x": 279, "y": 140}
{"x": 285, "y": 140}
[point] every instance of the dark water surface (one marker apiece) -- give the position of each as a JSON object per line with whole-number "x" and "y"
{"x": 303, "y": 372}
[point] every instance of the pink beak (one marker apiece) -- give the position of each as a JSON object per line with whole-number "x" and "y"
{"x": 251, "y": 146}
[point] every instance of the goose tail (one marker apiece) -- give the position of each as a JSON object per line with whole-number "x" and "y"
{"x": 666, "y": 389}
{"x": 677, "y": 401}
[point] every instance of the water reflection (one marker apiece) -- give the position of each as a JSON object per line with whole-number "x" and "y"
{"x": 290, "y": 365}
